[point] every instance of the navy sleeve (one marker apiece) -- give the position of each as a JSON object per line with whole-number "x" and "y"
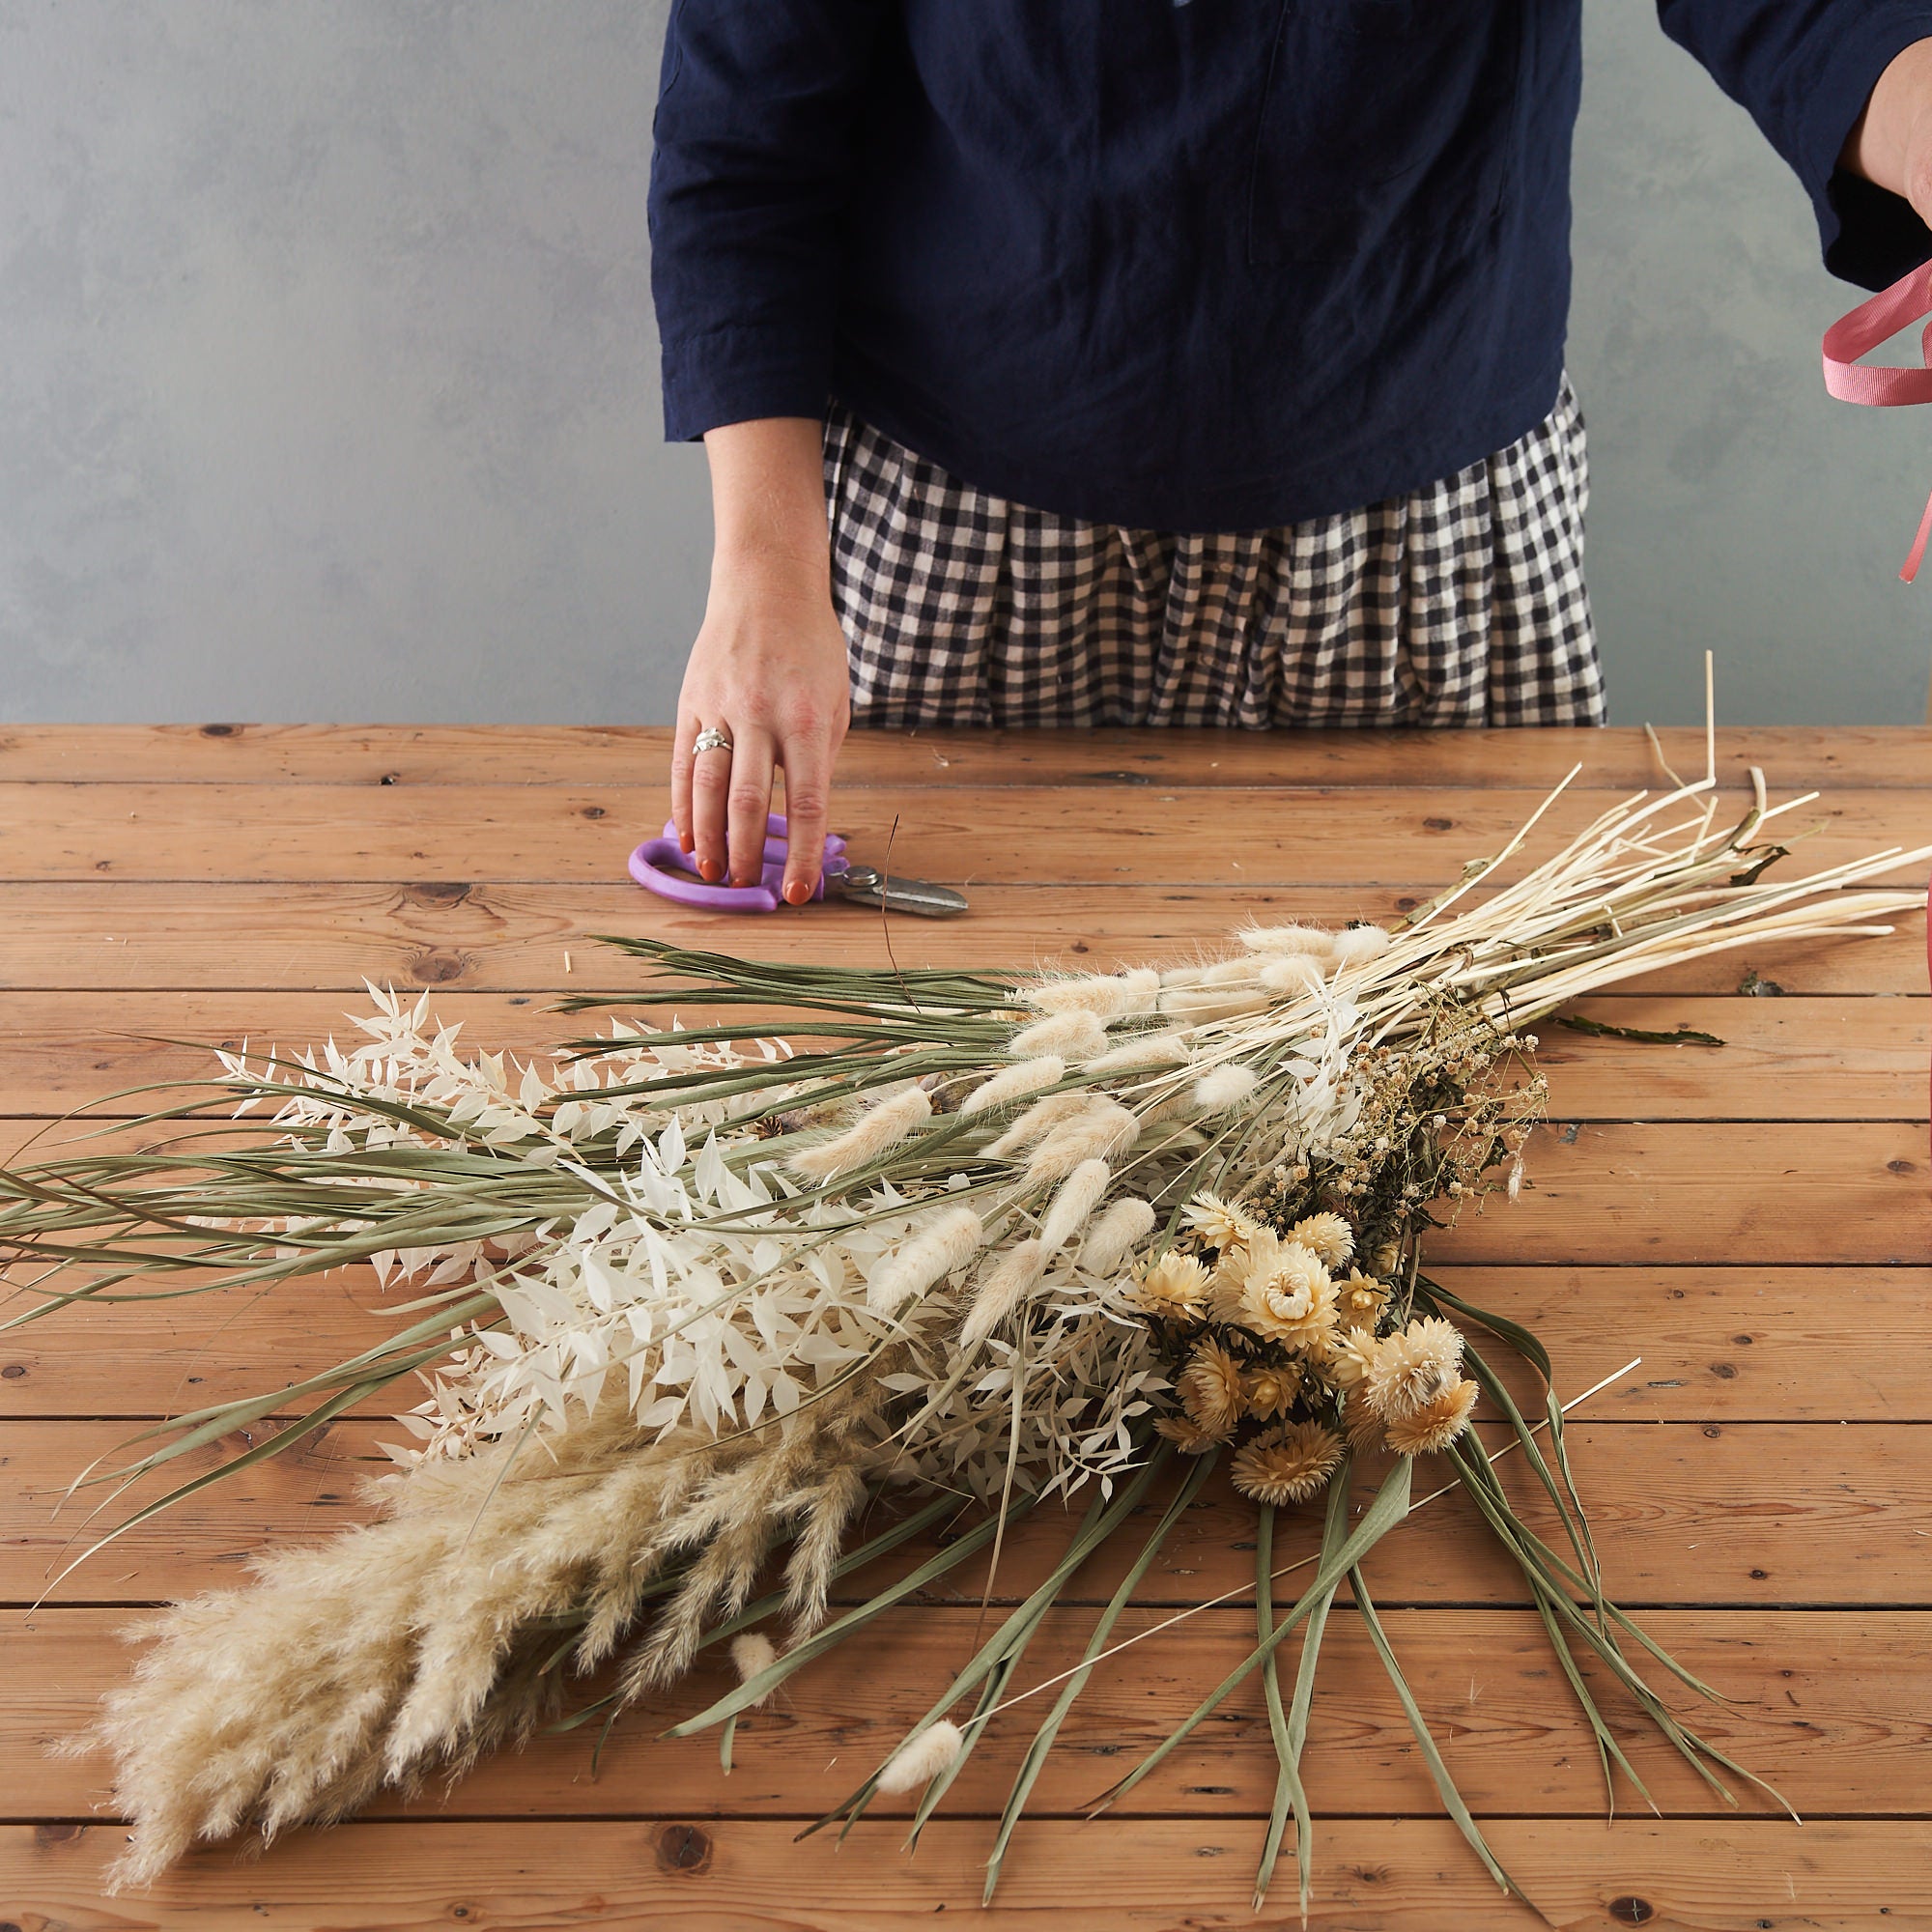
{"x": 756, "y": 130}
{"x": 1805, "y": 70}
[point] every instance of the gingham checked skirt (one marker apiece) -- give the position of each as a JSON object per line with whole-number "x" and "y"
{"x": 1463, "y": 604}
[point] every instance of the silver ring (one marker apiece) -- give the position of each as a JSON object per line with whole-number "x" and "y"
{"x": 711, "y": 739}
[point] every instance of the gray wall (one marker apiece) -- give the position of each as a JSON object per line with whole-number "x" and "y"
{"x": 328, "y": 379}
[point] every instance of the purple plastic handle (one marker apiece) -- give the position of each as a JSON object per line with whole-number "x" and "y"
{"x": 660, "y": 866}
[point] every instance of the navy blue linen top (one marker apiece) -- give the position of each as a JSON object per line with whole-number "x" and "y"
{"x": 1205, "y": 266}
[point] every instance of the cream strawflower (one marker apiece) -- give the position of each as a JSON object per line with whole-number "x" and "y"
{"x": 1412, "y": 1368}
{"x": 1436, "y": 1424}
{"x": 1174, "y": 1286}
{"x": 1210, "y": 1388}
{"x": 1287, "y": 1465}
{"x": 1270, "y": 1392}
{"x": 1219, "y": 1224}
{"x": 1328, "y": 1234}
{"x": 1287, "y": 1296}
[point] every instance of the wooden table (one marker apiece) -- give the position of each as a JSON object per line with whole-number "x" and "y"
{"x": 1753, "y": 1221}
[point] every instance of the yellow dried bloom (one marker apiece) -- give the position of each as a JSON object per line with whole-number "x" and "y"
{"x": 1210, "y": 1388}
{"x": 1412, "y": 1368}
{"x": 1328, "y": 1234}
{"x": 1174, "y": 1286}
{"x": 1435, "y": 1424}
{"x": 1186, "y": 1434}
{"x": 1268, "y": 1392}
{"x": 1287, "y": 1296}
{"x": 1287, "y": 1465}
{"x": 1359, "y": 1301}
{"x": 1387, "y": 1259}
{"x": 1219, "y": 1224}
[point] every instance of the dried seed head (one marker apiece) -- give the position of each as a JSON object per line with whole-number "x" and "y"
{"x": 1116, "y": 1235}
{"x": 1360, "y": 944}
{"x": 1080, "y": 1193}
{"x": 1224, "y": 1086}
{"x": 753, "y": 1655}
{"x": 1074, "y": 1035}
{"x": 1302, "y": 939}
{"x": 1008, "y": 1283}
{"x": 876, "y": 1129}
{"x": 939, "y": 1247}
{"x": 923, "y": 1757}
{"x": 1014, "y": 1083}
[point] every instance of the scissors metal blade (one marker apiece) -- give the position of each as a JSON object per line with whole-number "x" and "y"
{"x": 867, "y": 885}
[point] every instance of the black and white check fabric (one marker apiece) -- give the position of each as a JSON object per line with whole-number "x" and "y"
{"x": 1461, "y": 605}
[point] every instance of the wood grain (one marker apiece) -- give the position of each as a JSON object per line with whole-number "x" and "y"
{"x": 474, "y": 935}
{"x": 664, "y": 1873}
{"x": 580, "y": 835}
{"x": 1831, "y": 1709}
{"x": 1788, "y": 1514}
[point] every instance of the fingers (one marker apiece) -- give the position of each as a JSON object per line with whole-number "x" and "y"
{"x": 748, "y": 799}
{"x": 807, "y": 778}
{"x": 688, "y": 728}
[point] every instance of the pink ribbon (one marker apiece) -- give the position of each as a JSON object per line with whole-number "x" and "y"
{"x": 1907, "y": 299}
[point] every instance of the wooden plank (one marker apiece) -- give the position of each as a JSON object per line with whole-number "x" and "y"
{"x": 666, "y": 1874}
{"x": 1596, "y": 1194}
{"x": 1782, "y": 1059}
{"x": 472, "y": 936}
{"x": 1360, "y": 836}
{"x": 1824, "y": 1705}
{"x": 1796, "y": 757}
{"x": 1788, "y": 1514}
{"x": 1718, "y": 1345}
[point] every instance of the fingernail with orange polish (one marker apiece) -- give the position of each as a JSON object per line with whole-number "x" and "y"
{"x": 797, "y": 892}
{"x": 710, "y": 872}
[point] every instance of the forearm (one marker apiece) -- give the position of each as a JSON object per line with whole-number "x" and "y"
{"x": 768, "y": 500}
{"x": 1890, "y": 143}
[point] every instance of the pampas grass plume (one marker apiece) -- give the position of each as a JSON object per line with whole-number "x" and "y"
{"x": 1116, "y": 1233}
{"x": 875, "y": 1131}
{"x": 923, "y": 1757}
{"x": 1293, "y": 973}
{"x": 1015, "y": 1082}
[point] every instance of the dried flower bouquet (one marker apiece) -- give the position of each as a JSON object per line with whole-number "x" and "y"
{"x": 688, "y": 1301}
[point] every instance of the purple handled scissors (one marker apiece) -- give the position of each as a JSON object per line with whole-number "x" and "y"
{"x": 660, "y": 866}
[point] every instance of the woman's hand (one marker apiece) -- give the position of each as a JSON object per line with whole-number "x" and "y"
{"x": 1891, "y": 143}
{"x": 768, "y": 669}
